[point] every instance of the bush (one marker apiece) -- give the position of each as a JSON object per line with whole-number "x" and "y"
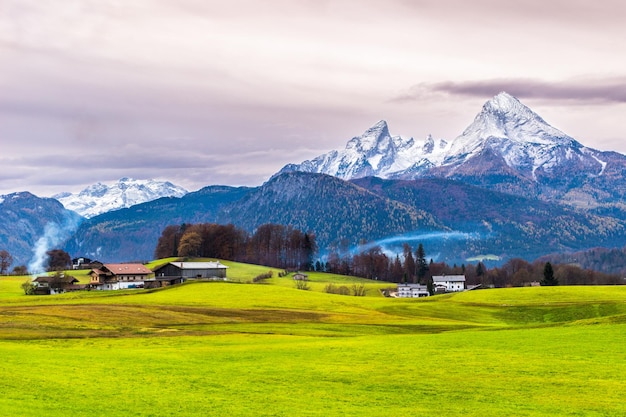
{"x": 262, "y": 277}
{"x": 302, "y": 285}
{"x": 358, "y": 290}
{"x": 28, "y": 287}
{"x": 331, "y": 288}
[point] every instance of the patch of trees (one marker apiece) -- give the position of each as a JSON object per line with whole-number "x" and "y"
{"x": 412, "y": 267}
{"x": 610, "y": 261}
{"x": 271, "y": 244}
{"x": 518, "y": 272}
{"x": 58, "y": 260}
{"x": 6, "y": 260}
{"x": 373, "y": 263}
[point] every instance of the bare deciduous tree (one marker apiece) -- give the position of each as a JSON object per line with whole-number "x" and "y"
{"x": 5, "y": 261}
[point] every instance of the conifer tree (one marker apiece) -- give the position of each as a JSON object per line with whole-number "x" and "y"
{"x": 548, "y": 276}
{"x": 420, "y": 263}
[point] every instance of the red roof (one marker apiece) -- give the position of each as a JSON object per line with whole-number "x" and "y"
{"x": 131, "y": 269}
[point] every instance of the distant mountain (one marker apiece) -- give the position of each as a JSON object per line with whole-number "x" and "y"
{"x": 100, "y": 198}
{"x": 132, "y": 233}
{"x": 455, "y": 221}
{"x": 507, "y": 148}
{"x": 510, "y": 148}
{"x": 332, "y": 208}
{"x": 30, "y": 225}
{"x": 377, "y": 153}
{"x": 501, "y": 224}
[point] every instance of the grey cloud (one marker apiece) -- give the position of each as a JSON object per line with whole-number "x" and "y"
{"x": 608, "y": 90}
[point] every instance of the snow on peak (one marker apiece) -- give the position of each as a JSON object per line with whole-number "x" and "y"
{"x": 504, "y": 128}
{"x": 371, "y": 138}
{"x": 508, "y": 128}
{"x": 375, "y": 153}
{"x": 126, "y": 192}
{"x": 505, "y": 102}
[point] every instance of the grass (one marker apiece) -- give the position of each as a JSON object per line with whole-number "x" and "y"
{"x": 233, "y": 349}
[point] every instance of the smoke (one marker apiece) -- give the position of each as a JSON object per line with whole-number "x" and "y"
{"x": 54, "y": 234}
{"x": 417, "y": 237}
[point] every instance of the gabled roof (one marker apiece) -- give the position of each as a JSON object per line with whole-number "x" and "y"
{"x": 411, "y": 285}
{"x": 133, "y": 269}
{"x": 199, "y": 265}
{"x": 65, "y": 279}
{"x": 448, "y": 278}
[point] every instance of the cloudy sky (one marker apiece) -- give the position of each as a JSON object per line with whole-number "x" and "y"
{"x": 204, "y": 92}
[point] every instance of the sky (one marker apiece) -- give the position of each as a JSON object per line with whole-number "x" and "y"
{"x": 204, "y": 92}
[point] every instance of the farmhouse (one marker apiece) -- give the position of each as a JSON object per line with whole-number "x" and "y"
{"x": 119, "y": 276}
{"x": 56, "y": 284}
{"x": 449, "y": 283}
{"x": 186, "y": 270}
{"x": 412, "y": 291}
{"x": 85, "y": 263}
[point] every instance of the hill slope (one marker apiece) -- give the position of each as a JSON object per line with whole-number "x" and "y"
{"x": 30, "y": 225}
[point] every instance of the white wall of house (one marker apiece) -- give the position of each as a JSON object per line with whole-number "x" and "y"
{"x": 106, "y": 287}
{"x": 451, "y": 283}
{"x": 124, "y": 285}
{"x": 412, "y": 291}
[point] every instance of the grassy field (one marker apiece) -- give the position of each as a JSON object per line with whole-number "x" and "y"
{"x": 240, "y": 349}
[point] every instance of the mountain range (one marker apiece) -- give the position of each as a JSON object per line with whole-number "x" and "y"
{"x": 455, "y": 221}
{"x": 510, "y": 185}
{"x": 507, "y": 148}
{"x": 100, "y": 198}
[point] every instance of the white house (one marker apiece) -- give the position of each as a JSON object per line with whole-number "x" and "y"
{"x": 449, "y": 283}
{"x": 412, "y": 291}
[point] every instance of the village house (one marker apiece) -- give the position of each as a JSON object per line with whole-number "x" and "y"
{"x": 119, "y": 276}
{"x": 412, "y": 291}
{"x": 299, "y": 276}
{"x": 198, "y": 270}
{"x": 56, "y": 284}
{"x": 449, "y": 283}
{"x": 85, "y": 263}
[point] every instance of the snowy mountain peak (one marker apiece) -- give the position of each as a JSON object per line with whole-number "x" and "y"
{"x": 126, "y": 192}
{"x": 505, "y": 137}
{"x": 371, "y": 138}
{"x": 507, "y": 128}
{"x": 376, "y": 153}
{"x": 506, "y": 103}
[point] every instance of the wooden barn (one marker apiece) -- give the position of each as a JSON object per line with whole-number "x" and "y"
{"x": 207, "y": 270}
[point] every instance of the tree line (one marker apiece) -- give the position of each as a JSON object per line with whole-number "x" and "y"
{"x": 272, "y": 245}
{"x": 412, "y": 267}
{"x": 57, "y": 260}
{"x": 284, "y": 247}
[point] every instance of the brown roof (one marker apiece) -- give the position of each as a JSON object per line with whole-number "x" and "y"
{"x": 136, "y": 269}
{"x": 66, "y": 279}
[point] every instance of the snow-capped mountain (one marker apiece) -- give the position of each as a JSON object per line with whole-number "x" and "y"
{"x": 377, "y": 153}
{"x": 508, "y": 130}
{"x": 100, "y": 198}
{"x": 507, "y": 147}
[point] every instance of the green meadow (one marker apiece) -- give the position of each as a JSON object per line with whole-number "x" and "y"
{"x": 269, "y": 349}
